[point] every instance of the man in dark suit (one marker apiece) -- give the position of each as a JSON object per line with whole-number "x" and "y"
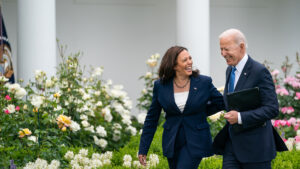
{"x": 254, "y": 147}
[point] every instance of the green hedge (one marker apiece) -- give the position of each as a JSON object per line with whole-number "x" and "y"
{"x": 284, "y": 160}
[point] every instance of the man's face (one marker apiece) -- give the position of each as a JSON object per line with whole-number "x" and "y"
{"x": 231, "y": 51}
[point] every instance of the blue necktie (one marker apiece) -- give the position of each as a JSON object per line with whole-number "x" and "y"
{"x": 231, "y": 80}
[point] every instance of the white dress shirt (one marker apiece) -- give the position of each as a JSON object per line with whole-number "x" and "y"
{"x": 239, "y": 68}
{"x": 180, "y": 99}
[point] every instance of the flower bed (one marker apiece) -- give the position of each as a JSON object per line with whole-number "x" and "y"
{"x": 71, "y": 109}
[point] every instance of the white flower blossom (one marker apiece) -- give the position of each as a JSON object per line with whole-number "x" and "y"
{"x": 83, "y": 152}
{"x": 99, "y": 104}
{"x": 12, "y": 88}
{"x": 85, "y": 123}
{"x": 290, "y": 143}
{"x": 101, "y": 131}
{"x": 152, "y": 62}
{"x": 84, "y": 117}
{"x": 97, "y": 93}
{"x": 127, "y": 160}
{"x": 37, "y": 101}
{"x": 297, "y": 144}
{"x": 20, "y": 93}
{"x": 69, "y": 155}
{"x": 132, "y": 130}
{"x": 91, "y": 129}
{"x": 49, "y": 83}
{"x": 74, "y": 126}
{"x": 33, "y": 138}
{"x": 136, "y": 164}
{"x": 97, "y": 72}
{"x": 153, "y": 160}
{"x": 148, "y": 75}
{"x": 117, "y": 126}
{"x": 141, "y": 118}
{"x": 116, "y": 135}
{"x": 57, "y": 108}
{"x": 126, "y": 119}
{"x": 11, "y": 108}
{"x": 100, "y": 142}
{"x": 216, "y": 116}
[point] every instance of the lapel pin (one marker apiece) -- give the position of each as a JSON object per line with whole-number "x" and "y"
{"x": 245, "y": 74}
{"x": 195, "y": 88}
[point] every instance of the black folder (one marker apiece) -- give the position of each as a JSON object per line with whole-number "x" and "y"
{"x": 244, "y": 100}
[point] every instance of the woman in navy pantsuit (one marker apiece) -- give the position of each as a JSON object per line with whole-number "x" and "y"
{"x": 187, "y": 98}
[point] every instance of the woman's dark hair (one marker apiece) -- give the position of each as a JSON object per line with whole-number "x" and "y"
{"x": 166, "y": 69}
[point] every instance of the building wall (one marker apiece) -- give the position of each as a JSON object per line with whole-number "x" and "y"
{"x": 121, "y": 35}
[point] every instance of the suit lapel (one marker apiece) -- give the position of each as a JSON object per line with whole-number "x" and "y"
{"x": 192, "y": 92}
{"x": 227, "y": 79}
{"x": 244, "y": 75}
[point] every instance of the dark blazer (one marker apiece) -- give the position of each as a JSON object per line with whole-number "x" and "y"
{"x": 256, "y": 144}
{"x": 203, "y": 99}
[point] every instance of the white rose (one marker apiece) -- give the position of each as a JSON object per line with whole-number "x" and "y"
{"x": 99, "y": 103}
{"x": 141, "y": 118}
{"x": 36, "y": 101}
{"x": 103, "y": 143}
{"x": 11, "y": 108}
{"x": 101, "y": 131}
{"x": 74, "y": 126}
{"x": 148, "y": 75}
{"x": 153, "y": 160}
{"x": 32, "y": 138}
{"x": 97, "y": 72}
{"x": 49, "y": 83}
{"x": 20, "y": 93}
{"x": 69, "y": 155}
{"x": 132, "y": 130}
{"x": 290, "y": 143}
{"x": 85, "y": 123}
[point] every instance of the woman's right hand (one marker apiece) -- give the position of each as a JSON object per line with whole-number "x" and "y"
{"x": 142, "y": 159}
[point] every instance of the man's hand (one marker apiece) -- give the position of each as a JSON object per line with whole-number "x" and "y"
{"x": 231, "y": 117}
{"x": 142, "y": 159}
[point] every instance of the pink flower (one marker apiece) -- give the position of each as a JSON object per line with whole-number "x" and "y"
{"x": 276, "y": 123}
{"x": 297, "y": 139}
{"x": 292, "y": 81}
{"x": 297, "y": 96}
{"x": 282, "y": 91}
{"x": 282, "y": 122}
{"x": 7, "y": 97}
{"x": 287, "y": 110}
{"x": 275, "y": 72}
{"x": 292, "y": 120}
{"x": 17, "y": 108}
{"x": 296, "y": 127}
{"x": 6, "y": 111}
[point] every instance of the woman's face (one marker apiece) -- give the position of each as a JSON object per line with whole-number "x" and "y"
{"x": 184, "y": 64}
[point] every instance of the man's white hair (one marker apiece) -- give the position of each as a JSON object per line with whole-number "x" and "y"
{"x": 237, "y": 34}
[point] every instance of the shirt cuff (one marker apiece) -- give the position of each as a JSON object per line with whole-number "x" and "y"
{"x": 239, "y": 118}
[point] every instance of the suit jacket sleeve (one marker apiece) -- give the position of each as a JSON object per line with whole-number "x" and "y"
{"x": 216, "y": 102}
{"x": 269, "y": 104}
{"x": 151, "y": 121}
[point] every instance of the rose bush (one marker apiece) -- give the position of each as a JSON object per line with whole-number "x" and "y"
{"x": 288, "y": 93}
{"x": 71, "y": 109}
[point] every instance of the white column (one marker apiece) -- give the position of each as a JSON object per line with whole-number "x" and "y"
{"x": 36, "y": 38}
{"x": 193, "y": 31}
